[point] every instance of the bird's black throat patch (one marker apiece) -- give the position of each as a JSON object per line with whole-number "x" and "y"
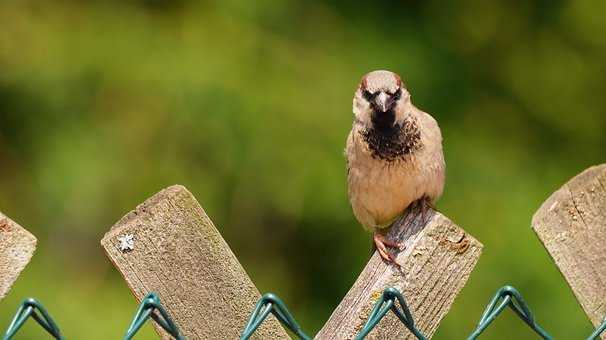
{"x": 383, "y": 121}
{"x": 392, "y": 142}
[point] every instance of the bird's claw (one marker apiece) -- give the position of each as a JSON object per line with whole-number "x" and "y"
{"x": 426, "y": 206}
{"x": 382, "y": 243}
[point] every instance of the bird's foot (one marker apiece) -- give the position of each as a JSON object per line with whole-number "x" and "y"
{"x": 426, "y": 206}
{"x": 429, "y": 204}
{"x": 382, "y": 243}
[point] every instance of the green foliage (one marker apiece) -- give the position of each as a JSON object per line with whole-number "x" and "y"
{"x": 248, "y": 103}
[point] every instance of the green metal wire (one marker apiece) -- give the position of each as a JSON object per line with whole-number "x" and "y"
{"x": 31, "y": 307}
{"x": 270, "y": 303}
{"x": 386, "y": 303}
{"x": 151, "y": 307}
{"x": 508, "y": 296}
{"x": 147, "y": 308}
{"x": 598, "y": 331}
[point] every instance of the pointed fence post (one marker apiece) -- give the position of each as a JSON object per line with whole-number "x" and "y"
{"x": 168, "y": 245}
{"x": 17, "y": 246}
{"x": 437, "y": 261}
{"x": 572, "y": 226}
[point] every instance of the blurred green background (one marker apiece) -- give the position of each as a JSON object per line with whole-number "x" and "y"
{"x": 248, "y": 104}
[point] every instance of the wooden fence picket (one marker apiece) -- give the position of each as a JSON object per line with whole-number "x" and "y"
{"x": 168, "y": 245}
{"x": 17, "y": 246}
{"x": 572, "y": 226}
{"x": 437, "y": 261}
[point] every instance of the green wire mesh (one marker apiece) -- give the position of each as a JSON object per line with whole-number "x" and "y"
{"x": 598, "y": 331}
{"x": 32, "y": 308}
{"x": 147, "y": 309}
{"x": 270, "y": 303}
{"x": 508, "y": 296}
{"x": 386, "y": 303}
{"x": 151, "y": 307}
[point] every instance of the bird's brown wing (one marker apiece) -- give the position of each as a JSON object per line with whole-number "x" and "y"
{"x": 347, "y": 166}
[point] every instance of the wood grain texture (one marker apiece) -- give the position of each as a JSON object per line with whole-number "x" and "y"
{"x": 437, "y": 261}
{"x": 179, "y": 254}
{"x": 17, "y": 246}
{"x": 572, "y": 226}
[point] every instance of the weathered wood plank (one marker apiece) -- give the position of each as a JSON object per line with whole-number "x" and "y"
{"x": 178, "y": 253}
{"x": 572, "y": 226}
{"x": 17, "y": 246}
{"x": 437, "y": 261}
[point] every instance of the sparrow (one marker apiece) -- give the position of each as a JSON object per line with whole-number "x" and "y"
{"x": 394, "y": 156}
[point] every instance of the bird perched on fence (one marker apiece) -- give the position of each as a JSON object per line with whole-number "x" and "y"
{"x": 394, "y": 156}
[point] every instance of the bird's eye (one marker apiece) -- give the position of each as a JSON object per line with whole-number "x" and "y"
{"x": 397, "y": 95}
{"x": 367, "y": 95}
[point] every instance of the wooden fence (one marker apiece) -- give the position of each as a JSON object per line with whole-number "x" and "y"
{"x": 169, "y": 245}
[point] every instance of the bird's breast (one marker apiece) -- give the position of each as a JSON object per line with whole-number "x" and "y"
{"x": 380, "y": 191}
{"x": 381, "y": 188}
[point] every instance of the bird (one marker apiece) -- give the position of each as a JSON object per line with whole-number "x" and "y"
{"x": 394, "y": 156}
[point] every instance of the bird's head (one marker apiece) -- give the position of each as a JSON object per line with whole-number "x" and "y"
{"x": 381, "y": 100}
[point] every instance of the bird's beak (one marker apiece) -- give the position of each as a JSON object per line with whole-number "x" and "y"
{"x": 382, "y": 101}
